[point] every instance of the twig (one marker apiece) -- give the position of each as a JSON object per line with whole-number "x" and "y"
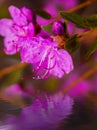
{"x": 78, "y": 7}
{"x": 11, "y": 68}
{"x": 18, "y": 102}
{"x": 82, "y": 5}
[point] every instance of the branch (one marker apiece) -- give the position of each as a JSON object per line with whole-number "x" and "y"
{"x": 78, "y": 7}
{"x": 9, "y": 69}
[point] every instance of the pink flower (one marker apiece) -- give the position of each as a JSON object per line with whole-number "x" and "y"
{"x": 16, "y": 29}
{"x": 46, "y": 58}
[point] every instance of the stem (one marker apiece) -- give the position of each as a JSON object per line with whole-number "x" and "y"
{"x": 11, "y": 68}
{"x": 18, "y": 102}
{"x": 78, "y": 7}
{"x": 88, "y": 37}
{"x": 92, "y": 99}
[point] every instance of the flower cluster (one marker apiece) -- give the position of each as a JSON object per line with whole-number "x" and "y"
{"x": 43, "y": 53}
{"x": 46, "y": 59}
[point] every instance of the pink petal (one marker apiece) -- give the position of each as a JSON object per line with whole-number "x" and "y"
{"x": 17, "y": 15}
{"x": 5, "y": 27}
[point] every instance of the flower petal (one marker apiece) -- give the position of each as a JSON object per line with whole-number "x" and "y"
{"x": 5, "y": 27}
{"x": 18, "y": 16}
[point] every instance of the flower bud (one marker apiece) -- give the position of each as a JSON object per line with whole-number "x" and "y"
{"x": 58, "y": 28}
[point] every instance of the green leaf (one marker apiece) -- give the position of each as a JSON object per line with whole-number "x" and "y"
{"x": 48, "y": 28}
{"x": 4, "y": 11}
{"x": 75, "y": 18}
{"x": 12, "y": 78}
{"x": 43, "y": 14}
{"x": 92, "y": 48}
{"x": 14, "y": 56}
{"x": 79, "y": 21}
{"x": 91, "y": 21}
{"x": 72, "y": 43}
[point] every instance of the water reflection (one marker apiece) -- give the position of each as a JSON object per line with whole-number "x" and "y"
{"x": 46, "y": 112}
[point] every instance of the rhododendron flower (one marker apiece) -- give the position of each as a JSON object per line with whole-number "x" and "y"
{"x": 19, "y": 27}
{"x": 45, "y": 113}
{"x": 46, "y": 58}
{"x": 5, "y": 126}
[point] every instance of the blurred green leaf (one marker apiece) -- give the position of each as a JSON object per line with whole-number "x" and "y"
{"x": 14, "y": 56}
{"x": 12, "y": 78}
{"x": 92, "y": 48}
{"x": 4, "y": 11}
{"x": 75, "y": 18}
{"x": 91, "y": 21}
{"x": 72, "y": 43}
{"x": 48, "y": 28}
{"x": 43, "y": 14}
{"x": 52, "y": 85}
{"x": 79, "y": 21}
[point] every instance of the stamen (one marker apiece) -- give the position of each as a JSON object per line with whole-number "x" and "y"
{"x": 41, "y": 62}
{"x": 46, "y": 74}
{"x": 53, "y": 64}
{"x": 48, "y": 55}
{"x": 38, "y": 68}
{"x": 43, "y": 58}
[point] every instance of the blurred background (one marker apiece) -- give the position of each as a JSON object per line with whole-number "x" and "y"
{"x": 48, "y": 104}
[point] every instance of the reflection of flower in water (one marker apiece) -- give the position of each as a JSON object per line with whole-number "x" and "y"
{"x": 5, "y": 127}
{"x": 45, "y": 113}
